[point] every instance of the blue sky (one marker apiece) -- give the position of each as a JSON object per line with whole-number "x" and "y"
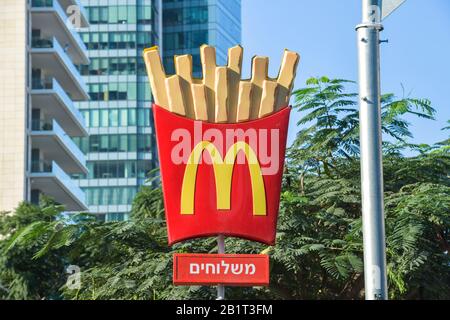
{"x": 323, "y": 32}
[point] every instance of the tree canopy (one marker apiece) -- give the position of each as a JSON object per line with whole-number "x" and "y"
{"x": 318, "y": 253}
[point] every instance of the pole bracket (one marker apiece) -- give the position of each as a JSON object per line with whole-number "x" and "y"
{"x": 377, "y": 26}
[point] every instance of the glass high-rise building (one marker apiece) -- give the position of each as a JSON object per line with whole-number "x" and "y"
{"x": 120, "y": 150}
{"x": 187, "y": 24}
{"x": 121, "y": 147}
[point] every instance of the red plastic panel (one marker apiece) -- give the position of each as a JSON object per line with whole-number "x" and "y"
{"x": 229, "y": 269}
{"x": 249, "y": 214}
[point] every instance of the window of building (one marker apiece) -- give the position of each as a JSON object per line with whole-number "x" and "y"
{"x": 145, "y": 15}
{"x": 144, "y": 91}
{"x": 132, "y": 117}
{"x": 144, "y": 167}
{"x": 172, "y": 17}
{"x": 94, "y": 118}
{"x": 186, "y": 16}
{"x": 86, "y": 117}
{"x": 123, "y": 143}
{"x": 118, "y": 169}
{"x": 122, "y": 14}
{"x": 94, "y": 143}
{"x": 110, "y": 195}
{"x": 113, "y": 16}
{"x": 98, "y": 92}
{"x": 115, "y": 143}
{"x": 196, "y": 15}
{"x": 123, "y": 116}
{"x": 144, "y": 143}
{"x": 103, "y": 15}
{"x": 104, "y": 117}
{"x": 104, "y": 143}
{"x": 131, "y": 14}
{"x": 114, "y": 91}
{"x": 82, "y": 143}
{"x": 132, "y": 143}
{"x": 145, "y": 39}
{"x": 94, "y": 14}
{"x": 118, "y": 40}
{"x": 116, "y": 216}
{"x": 113, "y": 118}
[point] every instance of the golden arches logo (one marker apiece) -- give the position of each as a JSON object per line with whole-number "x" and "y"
{"x": 223, "y": 172}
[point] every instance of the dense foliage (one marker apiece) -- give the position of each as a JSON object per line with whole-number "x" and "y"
{"x": 318, "y": 254}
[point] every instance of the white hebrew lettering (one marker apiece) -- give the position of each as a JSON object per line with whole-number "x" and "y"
{"x": 194, "y": 268}
{"x": 236, "y": 268}
{"x": 212, "y": 267}
{"x": 248, "y": 267}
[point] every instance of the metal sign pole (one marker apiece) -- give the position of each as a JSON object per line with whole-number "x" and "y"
{"x": 371, "y": 152}
{"x": 221, "y": 249}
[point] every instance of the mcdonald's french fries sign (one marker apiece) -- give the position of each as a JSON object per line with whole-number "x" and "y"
{"x": 221, "y": 145}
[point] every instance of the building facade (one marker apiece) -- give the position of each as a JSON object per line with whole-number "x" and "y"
{"x": 187, "y": 24}
{"x": 121, "y": 147}
{"x": 40, "y": 49}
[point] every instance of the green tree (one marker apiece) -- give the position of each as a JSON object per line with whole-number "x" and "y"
{"x": 322, "y": 194}
{"x": 29, "y": 230}
{"x": 318, "y": 254}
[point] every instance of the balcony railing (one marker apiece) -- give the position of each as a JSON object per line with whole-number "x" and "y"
{"x": 55, "y": 87}
{"x": 41, "y": 43}
{"x": 53, "y": 127}
{"x": 64, "y": 19}
{"x": 41, "y": 125}
{"x": 44, "y": 168}
{"x": 41, "y": 166}
{"x": 45, "y": 43}
{"x": 41, "y": 84}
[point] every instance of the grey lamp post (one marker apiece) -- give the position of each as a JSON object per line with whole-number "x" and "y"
{"x": 368, "y": 39}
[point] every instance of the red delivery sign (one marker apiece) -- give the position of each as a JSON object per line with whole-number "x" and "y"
{"x": 213, "y": 269}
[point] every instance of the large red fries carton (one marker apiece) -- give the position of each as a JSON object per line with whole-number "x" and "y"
{"x": 221, "y": 178}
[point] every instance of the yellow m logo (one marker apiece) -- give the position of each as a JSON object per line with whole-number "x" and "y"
{"x": 223, "y": 172}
